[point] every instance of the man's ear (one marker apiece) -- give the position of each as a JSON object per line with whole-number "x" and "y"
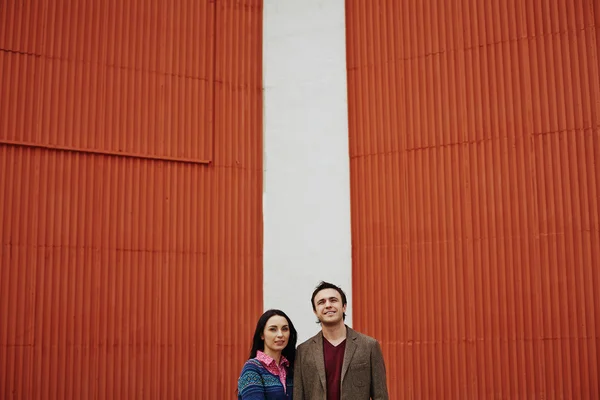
{"x": 344, "y": 308}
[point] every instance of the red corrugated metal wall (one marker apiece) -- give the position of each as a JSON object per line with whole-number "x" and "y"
{"x": 475, "y": 148}
{"x": 130, "y": 197}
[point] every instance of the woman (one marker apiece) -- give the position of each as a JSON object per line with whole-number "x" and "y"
{"x": 267, "y": 375}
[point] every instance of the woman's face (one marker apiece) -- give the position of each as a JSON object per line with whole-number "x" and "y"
{"x": 276, "y": 334}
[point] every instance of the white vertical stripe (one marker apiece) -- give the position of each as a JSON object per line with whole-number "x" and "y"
{"x": 306, "y": 202}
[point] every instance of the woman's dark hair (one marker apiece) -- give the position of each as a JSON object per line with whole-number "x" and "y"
{"x": 289, "y": 351}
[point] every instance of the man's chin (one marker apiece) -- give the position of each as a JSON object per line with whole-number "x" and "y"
{"x": 330, "y": 323}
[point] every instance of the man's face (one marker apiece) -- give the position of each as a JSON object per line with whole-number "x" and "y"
{"x": 328, "y": 307}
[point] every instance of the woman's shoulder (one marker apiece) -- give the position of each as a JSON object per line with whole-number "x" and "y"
{"x": 250, "y": 381}
{"x": 252, "y": 365}
{"x": 253, "y": 361}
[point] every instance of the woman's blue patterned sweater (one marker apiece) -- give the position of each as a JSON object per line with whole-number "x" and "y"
{"x": 256, "y": 383}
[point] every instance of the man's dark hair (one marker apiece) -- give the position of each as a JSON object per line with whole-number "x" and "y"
{"x": 326, "y": 285}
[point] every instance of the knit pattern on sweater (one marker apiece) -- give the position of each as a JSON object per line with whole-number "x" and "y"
{"x": 256, "y": 382}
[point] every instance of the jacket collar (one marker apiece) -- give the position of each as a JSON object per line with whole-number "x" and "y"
{"x": 317, "y": 351}
{"x": 351, "y": 346}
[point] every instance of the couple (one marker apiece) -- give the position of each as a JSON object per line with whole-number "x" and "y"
{"x": 337, "y": 363}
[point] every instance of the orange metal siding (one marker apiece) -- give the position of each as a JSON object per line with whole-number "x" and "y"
{"x": 130, "y": 197}
{"x": 474, "y": 145}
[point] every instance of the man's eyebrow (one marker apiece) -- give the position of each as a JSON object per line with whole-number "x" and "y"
{"x": 327, "y": 298}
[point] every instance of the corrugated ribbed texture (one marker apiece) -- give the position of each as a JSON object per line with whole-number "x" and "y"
{"x": 113, "y": 76}
{"x": 129, "y": 277}
{"x": 474, "y": 144}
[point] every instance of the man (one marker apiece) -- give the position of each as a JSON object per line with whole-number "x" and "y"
{"x": 338, "y": 363}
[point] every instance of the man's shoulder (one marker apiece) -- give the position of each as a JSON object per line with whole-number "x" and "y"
{"x": 361, "y": 337}
{"x": 310, "y": 340}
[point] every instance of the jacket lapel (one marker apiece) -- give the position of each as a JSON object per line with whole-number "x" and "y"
{"x": 317, "y": 352}
{"x": 349, "y": 352}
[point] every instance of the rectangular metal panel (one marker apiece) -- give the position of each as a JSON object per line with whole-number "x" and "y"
{"x": 111, "y": 76}
{"x": 474, "y": 145}
{"x": 134, "y": 276}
